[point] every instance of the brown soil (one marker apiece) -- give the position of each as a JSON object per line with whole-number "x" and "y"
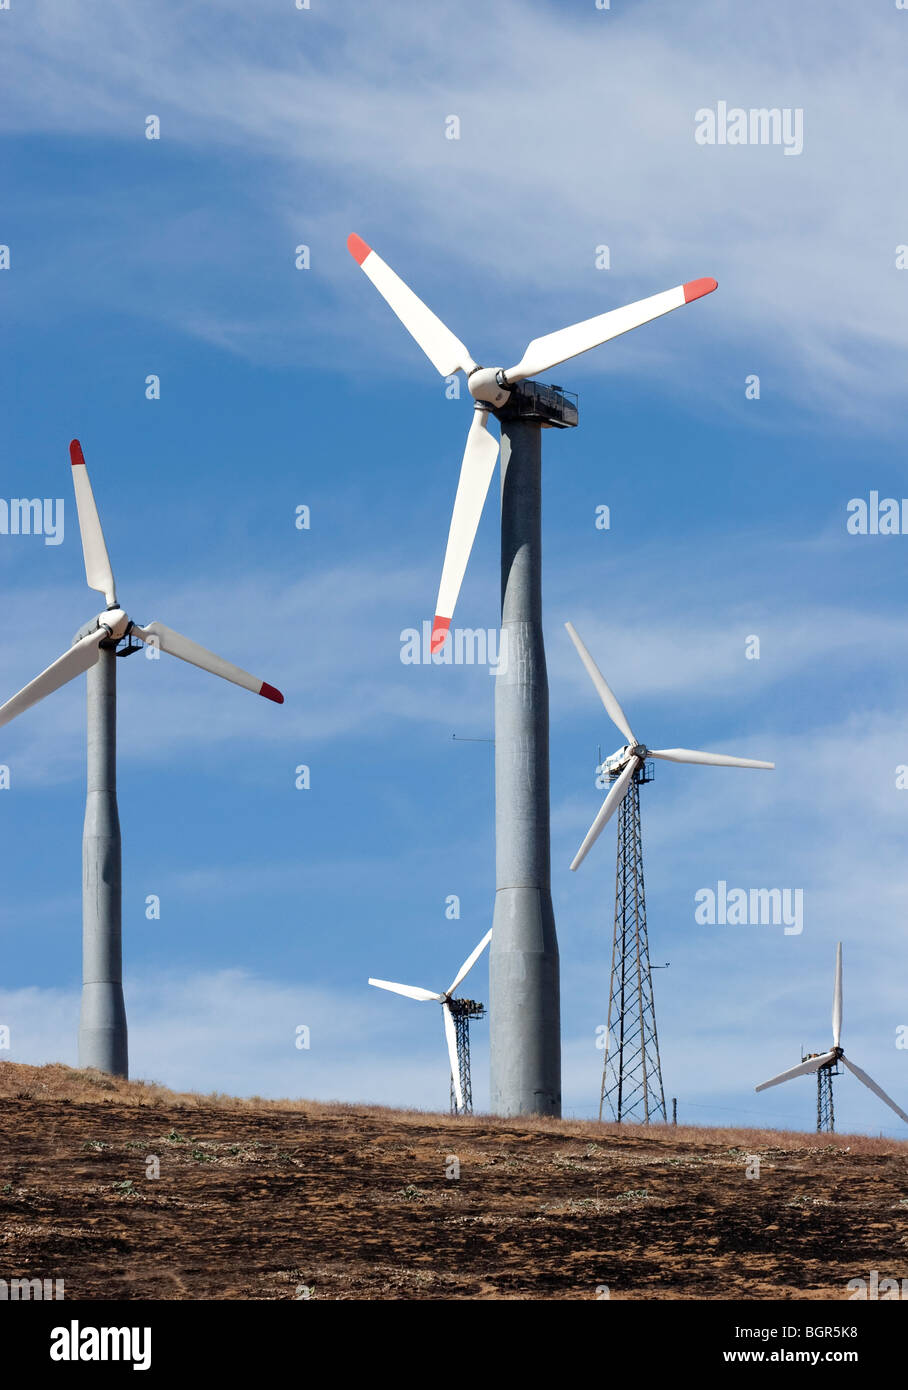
{"x": 268, "y": 1199}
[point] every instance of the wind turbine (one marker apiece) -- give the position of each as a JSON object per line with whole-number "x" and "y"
{"x": 824, "y": 1062}
{"x": 102, "y": 1024}
{"x": 632, "y": 1067}
{"x": 623, "y": 764}
{"x": 456, "y": 1021}
{"x": 525, "y": 1042}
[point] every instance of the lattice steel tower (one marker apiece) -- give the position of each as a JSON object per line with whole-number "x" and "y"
{"x": 825, "y": 1107}
{"x": 632, "y": 1073}
{"x": 463, "y": 1010}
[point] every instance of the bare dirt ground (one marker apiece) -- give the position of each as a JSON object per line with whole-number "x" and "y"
{"x": 268, "y": 1199}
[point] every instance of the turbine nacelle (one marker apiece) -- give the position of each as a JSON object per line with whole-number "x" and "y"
{"x": 616, "y": 762}
{"x": 829, "y": 1058}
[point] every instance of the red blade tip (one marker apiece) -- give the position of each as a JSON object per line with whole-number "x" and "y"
{"x": 696, "y": 289}
{"x": 439, "y": 633}
{"x": 270, "y": 693}
{"x": 75, "y": 453}
{"x": 357, "y": 248}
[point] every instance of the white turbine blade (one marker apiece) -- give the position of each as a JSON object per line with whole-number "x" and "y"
{"x": 78, "y": 659}
{"x": 543, "y": 353}
{"x": 451, "y": 1038}
{"x": 812, "y": 1064}
{"x": 94, "y": 550}
{"x": 607, "y": 810}
{"x": 613, "y": 709}
{"x": 446, "y": 352}
{"x": 411, "y": 991}
{"x": 470, "y": 961}
{"x": 877, "y": 1090}
{"x": 177, "y": 645}
{"x": 689, "y": 755}
{"x": 475, "y": 476}
{"x": 837, "y": 999}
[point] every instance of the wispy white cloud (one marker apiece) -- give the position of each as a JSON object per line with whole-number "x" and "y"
{"x": 339, "y": 118}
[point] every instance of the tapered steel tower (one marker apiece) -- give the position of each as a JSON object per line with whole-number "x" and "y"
{"x": 102, "y": 1021}
{"x": 524, "y": 1001}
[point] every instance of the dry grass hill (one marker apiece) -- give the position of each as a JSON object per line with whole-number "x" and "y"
{"x": 260, "y": 1199}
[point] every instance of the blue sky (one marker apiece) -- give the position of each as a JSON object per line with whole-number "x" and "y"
{"x": 282, "y": 387}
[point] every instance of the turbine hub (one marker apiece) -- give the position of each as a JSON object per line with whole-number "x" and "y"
{"x": 486, "y": 384}
{"x": 115, "y": 621}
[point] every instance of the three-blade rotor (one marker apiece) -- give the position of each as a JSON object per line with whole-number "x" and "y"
{"x": 836, "y": 1053}
{"x": 114, "y": 624}
{"x": 425, "y": 995}
{"x": 626, "y": 762}
{"x": 491, "y": 388}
